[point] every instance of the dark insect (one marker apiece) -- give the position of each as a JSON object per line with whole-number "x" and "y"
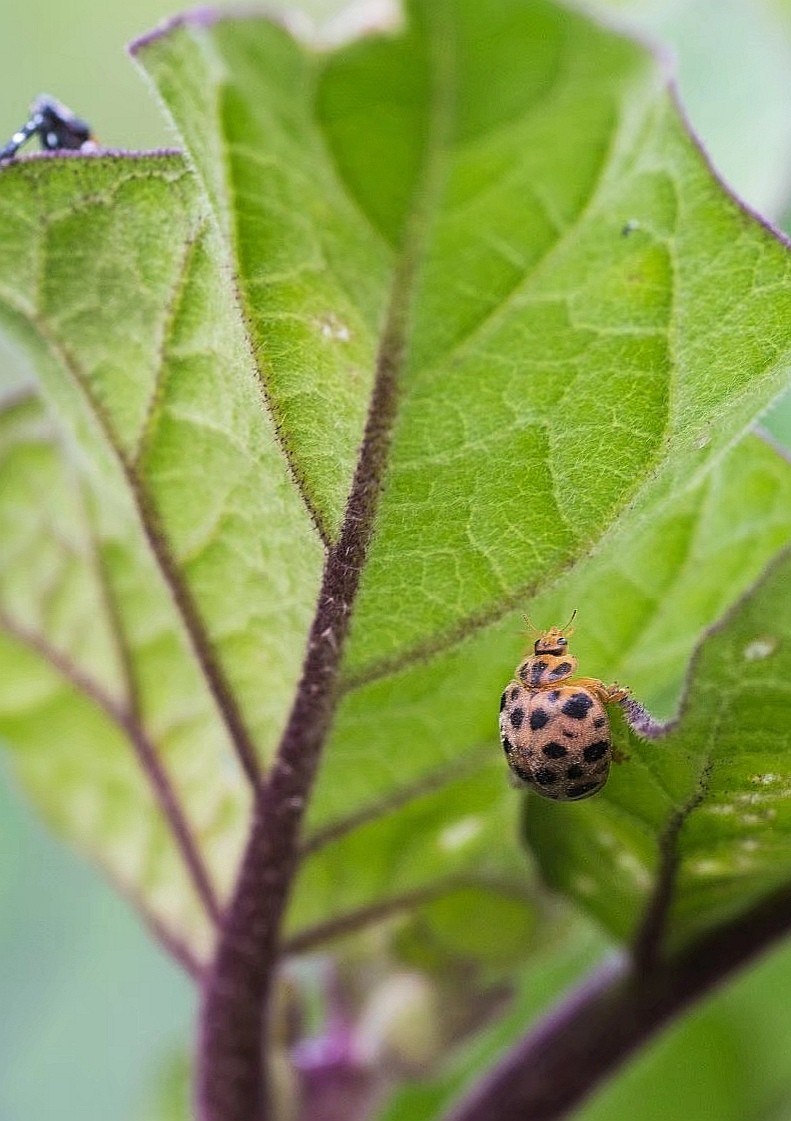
{"x": 55, "y": 126}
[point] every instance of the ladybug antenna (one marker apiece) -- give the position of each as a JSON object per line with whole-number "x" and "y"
{"x": 568, "y": 629}
{"x": 531, "y": 627}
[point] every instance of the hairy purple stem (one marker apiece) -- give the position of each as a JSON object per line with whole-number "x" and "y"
{"x": 231, "y": 1083}
{"x": 593, "y": 1031}
{"x": 231, "y": 1068}
{"x": 230, "y": 1074}
{"x": 231, "y": 1078}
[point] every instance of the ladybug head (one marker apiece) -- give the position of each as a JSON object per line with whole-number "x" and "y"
{"x": 555, "y": 640}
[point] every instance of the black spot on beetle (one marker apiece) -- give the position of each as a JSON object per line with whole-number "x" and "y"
{"x": 554, "y": 694}
{"x": 503, "y": 700}
{"x": 520, "y": 772}
{"x": 515, "y": 692}
{"x": 583, "y": 789}
{"x": 554, "y": 750}
{"x": 508, "y": 747}
{"x": 537, "y": 672}
{"x": 577, "y": 706}
{"x": 595, "y": 751}
{"x": 538, "y": 718}
{"x": 575, "y": 771}
{"x": 600, "y": 721}
{"x": 546, "y": 776}
{"x": 561, "y": 671}
{"x": 516, "y": 717}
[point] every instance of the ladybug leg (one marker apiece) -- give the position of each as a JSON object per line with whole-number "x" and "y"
{"x": 607, "y": 694}
{"x": 619, "y": 756}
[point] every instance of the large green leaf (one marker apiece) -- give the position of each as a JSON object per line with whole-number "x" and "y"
{"x": 588, "y": 310}
{"x": 585, "y": 324}
{"x": 176, "y": 607}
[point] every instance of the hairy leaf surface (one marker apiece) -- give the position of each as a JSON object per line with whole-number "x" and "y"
{"x": 587, "y": 312}
{"x": 581, "y": 322}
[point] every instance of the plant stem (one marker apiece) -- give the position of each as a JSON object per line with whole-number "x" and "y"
{"x": 233, "y": 1029}
{"x": 231, "y": 1078}
{"x": 589, "y": 1034}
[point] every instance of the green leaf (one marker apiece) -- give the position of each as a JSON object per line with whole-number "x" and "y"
{"x": 585, "y": 323}
{"x": 660, "y": 582}
{"x": 113, "y": 276}
{"x": 96, "y": 669}
{"x": 556, "y": 366}
{"x": 697, "y": 1071}
{"x": 170, "y": 1099}
{"x": 137, "y": 339}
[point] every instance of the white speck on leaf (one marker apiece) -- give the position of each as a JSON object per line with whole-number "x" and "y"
{"x": 759, "y": 648}
{"x": 720, "y": 808}
{"x": 629, "y": 863}
{"x": 332, "y": 328}
{"x": 460, "y": 833}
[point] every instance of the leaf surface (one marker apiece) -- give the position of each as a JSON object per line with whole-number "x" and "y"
{"x": 188, "y": 618}
{"x": 587, "y": 310}
{"x": 584, "y": 324}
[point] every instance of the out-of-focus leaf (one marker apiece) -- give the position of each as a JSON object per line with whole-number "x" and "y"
{"x": 170, "y": 1099}
{"x": 570, "y": 948}
{"x": 96, "y": 669}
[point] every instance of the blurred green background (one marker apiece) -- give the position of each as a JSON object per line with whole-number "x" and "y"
{"x": 92, "y": 1011}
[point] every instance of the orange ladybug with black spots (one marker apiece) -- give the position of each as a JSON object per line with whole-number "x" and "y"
{"x": 554, "y": 727}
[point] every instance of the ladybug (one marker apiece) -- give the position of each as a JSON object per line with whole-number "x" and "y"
{"x": 554, "y": 727}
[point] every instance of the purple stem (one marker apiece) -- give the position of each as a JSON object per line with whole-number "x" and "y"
{"x": 231, "y": 1079}
{"x": 589, "y": 1034}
